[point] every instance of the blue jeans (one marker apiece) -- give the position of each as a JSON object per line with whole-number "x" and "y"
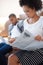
{"x": 3, "y": 60}
{"x": 5, "y": 48}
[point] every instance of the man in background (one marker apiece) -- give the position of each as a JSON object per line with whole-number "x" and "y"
{"x": 12, "y": 34}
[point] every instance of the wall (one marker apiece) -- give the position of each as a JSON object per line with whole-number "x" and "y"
{"x": 10, "y": 6}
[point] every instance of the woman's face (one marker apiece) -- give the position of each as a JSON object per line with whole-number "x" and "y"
{"x": 29, "y": 11}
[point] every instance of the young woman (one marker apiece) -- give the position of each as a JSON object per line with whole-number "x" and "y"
{"x": 33, "y": 24}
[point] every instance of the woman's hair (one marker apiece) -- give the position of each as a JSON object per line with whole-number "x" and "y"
{"x": 37, "y": 4}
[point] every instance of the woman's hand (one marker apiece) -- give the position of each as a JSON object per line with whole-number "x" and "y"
{"x": 38, "y": 37}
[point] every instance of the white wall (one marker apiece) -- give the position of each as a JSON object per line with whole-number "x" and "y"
{"x": 10, "y": 6}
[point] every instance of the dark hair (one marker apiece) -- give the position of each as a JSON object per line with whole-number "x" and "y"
{"x": 37, "y": 4}
{"x": 12, "y": 15}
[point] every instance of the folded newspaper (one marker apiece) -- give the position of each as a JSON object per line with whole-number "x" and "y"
{"x": 26, "y": 41}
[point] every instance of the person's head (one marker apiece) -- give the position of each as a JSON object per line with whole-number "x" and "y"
{"x": 12, "y": 18}
{"x": 31, "y": 6}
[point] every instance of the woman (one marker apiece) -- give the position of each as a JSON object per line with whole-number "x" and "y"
{"x": 34, "y": 26}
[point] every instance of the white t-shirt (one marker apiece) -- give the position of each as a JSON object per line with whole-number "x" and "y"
{"x": 29, "y": 43}
{"x": 14, "y": 32}
{"x": 35, "y": 28}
